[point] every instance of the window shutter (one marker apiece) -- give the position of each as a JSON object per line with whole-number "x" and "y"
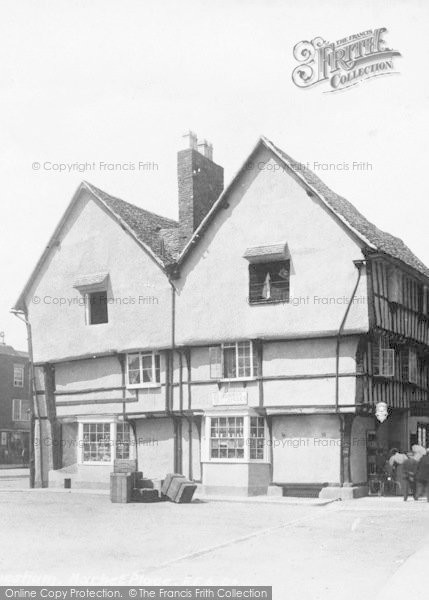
{"x": 215, "y": 354}
{"x": 387, "y": 362}
{"x": 405, "y": 363}
{"x": 257, "y": 357}
{"x": 412, "y": 366}
{"x": 375, "y": 351}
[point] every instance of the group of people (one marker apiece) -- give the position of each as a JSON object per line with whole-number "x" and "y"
{"x": 411, "y": 471}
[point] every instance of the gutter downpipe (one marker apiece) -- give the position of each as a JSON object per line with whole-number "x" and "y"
{"x": 358, "y": 264}
{"x": 23, "y": 316}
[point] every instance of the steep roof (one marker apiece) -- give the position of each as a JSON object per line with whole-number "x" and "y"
{"x": 158, "y": 235}
{"x": 372, "y": 237}
{"x": 157, "y": 232}
{"x": 380, "y": 240}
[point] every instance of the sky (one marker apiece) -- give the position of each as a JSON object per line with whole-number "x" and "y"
{"x": 86, "y": 82}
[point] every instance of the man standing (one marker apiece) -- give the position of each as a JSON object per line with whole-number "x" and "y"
{"x": 409, "y": 467}
{"x": 422, "y": 476}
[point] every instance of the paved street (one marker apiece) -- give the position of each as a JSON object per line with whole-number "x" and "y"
{"x": 349, "y": 549}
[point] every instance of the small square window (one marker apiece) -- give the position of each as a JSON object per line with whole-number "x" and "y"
{"x": 97, "y": 308}
{"x": 269, "y": 282}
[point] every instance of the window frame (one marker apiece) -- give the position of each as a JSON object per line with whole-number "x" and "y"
{"x": 156, "y": 370}
{"x": 87, "y": 300}
{"x": 247, "y": 419}
{"x": 413, "y": 366}
{"x": 21, "y": 412}
{"x": 219, "y": 372}
{"x": 15, "y": 378}
{"x": 253, "y": 267}
{"x": 113, "y": 442}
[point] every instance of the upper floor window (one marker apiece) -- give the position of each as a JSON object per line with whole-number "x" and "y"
{"x": 383, "y": 358}
{"x": 409, "y": 363}
{"x": 143, "y": 369}
{"x": 234, "y": 360}
{"x": 18, "y": 375}
{"x": 269, "y": 282}
{"x": 97, "y": 308}
{"x": 21, "y": 410}
{"x": 94, "y": 288}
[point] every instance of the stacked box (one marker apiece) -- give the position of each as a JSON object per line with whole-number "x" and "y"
{"x": 168, "y": 481}
{"x": 145, "y": 495}
{"x": 185, "y": 493}
{"x": 125, "y": 465}
{"x": 121, "y": 485}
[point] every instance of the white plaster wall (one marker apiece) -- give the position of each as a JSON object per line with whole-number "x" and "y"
{"x": 306, "y": 449}
{"x": 155, "y": 447}
{"x": 93, "y": 242}
{"x": 267, "y": 207}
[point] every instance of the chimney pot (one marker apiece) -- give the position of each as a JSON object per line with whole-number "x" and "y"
{"x": 192, "y": 139}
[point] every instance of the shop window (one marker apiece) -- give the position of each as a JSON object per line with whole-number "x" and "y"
{"x": 123, "y": 440}
{"x": 257, "y": 438}
{"x": 96, "y": 443}
{"x": 227, "y": 437}
{"x": 237, "y": 438}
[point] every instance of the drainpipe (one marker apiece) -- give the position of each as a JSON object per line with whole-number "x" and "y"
{"x": 358, "y": 264}
{"x": 35, "y": 413}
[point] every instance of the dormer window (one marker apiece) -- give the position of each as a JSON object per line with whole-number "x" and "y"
{"x": 94, "y": 290}
{"x": 269, "y": 282}
{"x": 269, "y": 273}
{"x": 97, "y": 308}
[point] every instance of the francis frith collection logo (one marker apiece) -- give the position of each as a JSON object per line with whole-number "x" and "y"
{"x": 343, "y": 63}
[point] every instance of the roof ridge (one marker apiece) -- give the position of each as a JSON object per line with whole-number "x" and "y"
{"x": 381, "y": 240}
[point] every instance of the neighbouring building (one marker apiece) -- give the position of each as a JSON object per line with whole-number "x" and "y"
{"x": 15, "y": 412}
{"x": 245, "y": 346}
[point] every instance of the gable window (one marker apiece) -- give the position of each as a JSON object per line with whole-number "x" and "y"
{"x": 143, "y": 369}
{"x": 233, "y": 360}
{"x": 269, "y": 282}
{"x": 21, "y": 410}
{"x": 18, "y": 375}
{"x": 97, "y": 307}
{"x": 383, "y": 358}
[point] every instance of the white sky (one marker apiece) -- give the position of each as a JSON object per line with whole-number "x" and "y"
{"x": 121, "y": 81}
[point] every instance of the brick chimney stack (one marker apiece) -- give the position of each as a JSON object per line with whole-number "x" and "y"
{"x": 200, "y": 184}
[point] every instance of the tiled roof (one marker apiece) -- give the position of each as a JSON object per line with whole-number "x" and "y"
{"x": 159, "y": 233}
{"x": 7, "y": 350}
{"x": 380, "y": 240}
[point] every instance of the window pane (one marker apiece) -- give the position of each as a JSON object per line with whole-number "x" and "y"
{"x": 147, "y": 368}
{"x": 98, "y": 308}
{"x": 226, "y": 437}
{"x": 123, "y": 440}
{"x": 96, "y": 442}
{"x": 229, "y": 362}
{"x": 133, "y": 362}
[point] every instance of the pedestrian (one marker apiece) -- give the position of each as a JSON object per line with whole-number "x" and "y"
{"x": 418, "y": 451}
{"x": 396, "y": 462}
{"x": 409, "y": 468}
{"x": 25, "y": 456}
{"x": 422, "y": 476}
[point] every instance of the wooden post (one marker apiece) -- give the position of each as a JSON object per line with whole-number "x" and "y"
{"x": 346, "y": 422}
